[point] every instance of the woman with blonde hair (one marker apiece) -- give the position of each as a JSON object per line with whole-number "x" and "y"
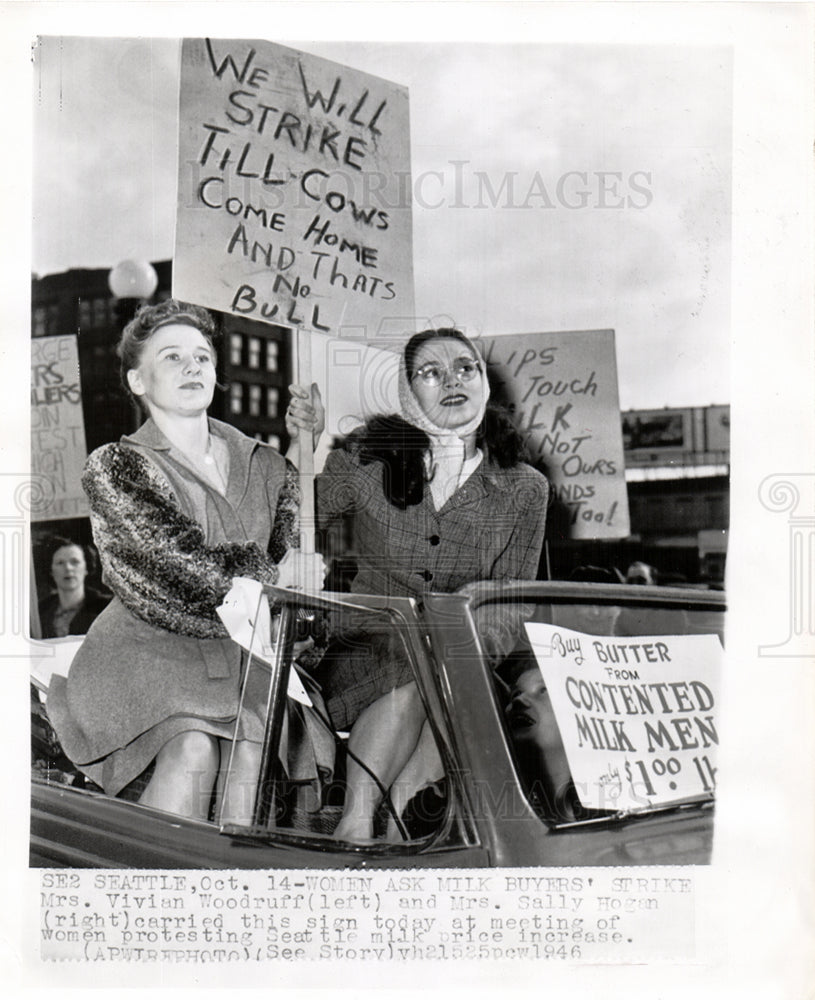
{"x": 178, "y": 509}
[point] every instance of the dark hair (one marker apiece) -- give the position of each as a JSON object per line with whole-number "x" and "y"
{"x": 53, "y": 543}
{"x": 149, "y": 319}
{"x": 401, "y": 447}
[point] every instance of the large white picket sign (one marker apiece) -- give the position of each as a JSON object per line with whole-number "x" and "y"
{"x": 294, "y": 190}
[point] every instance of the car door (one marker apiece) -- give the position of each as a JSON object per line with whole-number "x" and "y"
{"x": 481, "y": 639}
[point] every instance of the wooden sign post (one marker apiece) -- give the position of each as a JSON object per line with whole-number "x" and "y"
{"x": 305, "y": 449}
{"x": 294, "y": 195}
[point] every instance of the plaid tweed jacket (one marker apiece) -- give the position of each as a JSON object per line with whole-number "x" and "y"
{"x": 491, "y": 528}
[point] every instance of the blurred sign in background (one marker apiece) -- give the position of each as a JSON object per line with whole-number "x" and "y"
{"x": 689, "y": 435}
{"x": 57, "y": 428}
{"x": 562, "y": 391}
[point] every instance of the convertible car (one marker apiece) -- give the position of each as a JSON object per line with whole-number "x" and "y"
{"x": 500, "y": 797}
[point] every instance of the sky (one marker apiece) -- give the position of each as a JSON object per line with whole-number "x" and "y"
{"x": 555, "y": 187}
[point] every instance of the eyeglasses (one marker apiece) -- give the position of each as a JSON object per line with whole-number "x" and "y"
{"x": 433, "y": 374}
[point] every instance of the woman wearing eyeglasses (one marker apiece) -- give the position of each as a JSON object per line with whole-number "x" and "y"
{"x": 440, "y": 498}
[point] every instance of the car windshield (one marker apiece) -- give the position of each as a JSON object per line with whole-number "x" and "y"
{"x": 541, "y": 706}
{"x": 321, "y": 674}
{"x": 608, "y": 696}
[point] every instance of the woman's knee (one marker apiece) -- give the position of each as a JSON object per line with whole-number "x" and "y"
{"x": 245, "y": 756}
{"x": 407, "y": 699}
{"x": 405, "y": 694}
{"x": 192, "y": 750}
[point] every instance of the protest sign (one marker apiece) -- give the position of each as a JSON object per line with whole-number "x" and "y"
{"x": 636, "y": 714}
{"x": 58, "y": 449}
{"x": 562, "y": 390}
{"x": 294, "y": 191}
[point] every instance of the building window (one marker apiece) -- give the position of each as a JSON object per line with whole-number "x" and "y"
{"x": 53, "y": 320}
{"x": 100, "y": 362}
{"x": 254, "y": 352}
{"x": 255, "y": 392}
{"x": 715, "y": 511}
{"x": 236, "y": 397}
{"x": 272, "y": 401}
{"x": 235, "y": 349}
{"x": 84, "y": 313}
{"x": 273, "y": 440}
{"x": 272, "y": 348}
{"x": 100, "y": 312}
{"x": 40, "y": 321}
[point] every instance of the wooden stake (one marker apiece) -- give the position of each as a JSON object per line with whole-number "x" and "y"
{"x": 305, "y": 444}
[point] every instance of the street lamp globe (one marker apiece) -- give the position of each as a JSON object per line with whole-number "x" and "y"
{"x": 133, "y": 279}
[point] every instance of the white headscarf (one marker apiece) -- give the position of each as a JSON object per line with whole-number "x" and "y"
{"x": 446, "y": 463}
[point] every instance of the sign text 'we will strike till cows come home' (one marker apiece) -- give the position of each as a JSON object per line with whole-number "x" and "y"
{"x": 294, "y": 197}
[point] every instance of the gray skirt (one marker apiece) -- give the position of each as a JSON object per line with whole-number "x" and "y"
{"x": 132, "y": 687}
{"x": 363, "y": 660}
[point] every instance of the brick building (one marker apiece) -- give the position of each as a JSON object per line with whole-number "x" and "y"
{"x": 678, "y": 480}
{"x": 254, "y": 362}
{"x": 677, "y": 459}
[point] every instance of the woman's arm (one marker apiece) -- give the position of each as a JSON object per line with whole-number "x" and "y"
{"x": 286, "y": 528}
{"x": 155, "y": 557}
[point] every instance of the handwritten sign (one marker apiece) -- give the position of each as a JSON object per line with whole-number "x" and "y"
{"x": 58, "y": 449}
{"x": 637, "y": 715}
{"x": 562, "y": 389}
{"x": 294, "y": 192}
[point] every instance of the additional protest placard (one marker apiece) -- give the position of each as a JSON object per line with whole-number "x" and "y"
{"x": 636, "y": 714}
{"x": 562, "y": 388}
{"x": 294, "y": 192}
{"x": 58, "y": 449}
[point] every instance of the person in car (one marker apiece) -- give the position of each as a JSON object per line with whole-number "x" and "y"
{"x": 441, "y": 498}
{"x": 178, "y": 509}
{"x": 641, "y": 573}
{"x": 73, "y": 605}
{"x": 538, "y": 747}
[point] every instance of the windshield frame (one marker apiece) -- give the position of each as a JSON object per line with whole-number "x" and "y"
{"x": 457, "y": 831}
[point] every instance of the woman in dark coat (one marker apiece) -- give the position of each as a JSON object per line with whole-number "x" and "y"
{"x": 440, "y": 499}
{"x": 73, "y": 606}
{"x": 178, "y": 509}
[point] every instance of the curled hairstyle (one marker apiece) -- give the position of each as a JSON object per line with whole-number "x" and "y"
{"x": 53, "y": 543}
{"x": 401, "y": 447}
{"x": 151, "y": 318}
